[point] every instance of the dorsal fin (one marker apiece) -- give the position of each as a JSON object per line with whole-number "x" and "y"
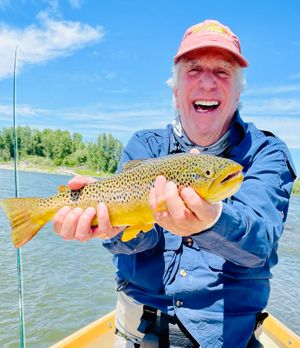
{"x": 131, "y": 164}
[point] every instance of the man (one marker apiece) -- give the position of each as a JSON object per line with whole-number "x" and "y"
{"x": 201, "y": 276}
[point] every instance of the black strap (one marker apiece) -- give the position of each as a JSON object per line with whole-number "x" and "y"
{"x": 147, "y": 319}
{"x": 156, "y": 329}
{"x": 260, "y": 318}
{"x": 186, "y": 332}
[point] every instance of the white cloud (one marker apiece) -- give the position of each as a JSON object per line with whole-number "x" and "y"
{"x": 271, "y": 107}
{"x": 25, "y": 111}
{"x": 287, "y": 128}
{"x": 270, "y": 90}
{"x": 40, "y": 43}
{"x": 295, "y": 76}
{"x": 120, "y": 121}
{"x": 75, "y": 3}
{"x": 280, "y": 115}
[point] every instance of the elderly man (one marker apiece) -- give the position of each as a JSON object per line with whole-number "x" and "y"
{"x": 201, "y": 276}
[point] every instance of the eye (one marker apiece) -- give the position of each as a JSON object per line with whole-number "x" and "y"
{"x": 193, "y": 72}
{"x": 222, "y": 73}
{"x": 208, "y": 173}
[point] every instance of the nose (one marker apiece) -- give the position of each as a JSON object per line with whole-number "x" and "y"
{"x": 207, "y": 81}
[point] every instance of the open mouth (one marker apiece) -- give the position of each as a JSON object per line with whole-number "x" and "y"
{"x": 205, "y": 105}
{"x": 226, "y": 185}
{"x": 231, "y": 176}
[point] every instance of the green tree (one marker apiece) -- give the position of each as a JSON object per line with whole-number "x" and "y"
{"x": 8, "y": 143}
{"x": 37, "y": 144}
{"x": 24, "y": 137}
{"x": 62, "y": 148}
{"x": 105, "y": 154}
{"x": 77, "y": 143}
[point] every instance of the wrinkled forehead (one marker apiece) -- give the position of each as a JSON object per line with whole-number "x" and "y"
{"x": 210, "y": 57}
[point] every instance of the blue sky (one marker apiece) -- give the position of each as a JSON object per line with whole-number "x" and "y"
{"x": 101, "y": 66}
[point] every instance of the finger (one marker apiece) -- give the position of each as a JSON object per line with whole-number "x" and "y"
{"x": 195, "y": 150}
{"x": 83, "y": 230}
{"x": 69, "y": 225}
{"x": 200, "y": 207}
{"x": 151, "y": 198}
{"x": 175, "y": 204}
{"x": 104, "y": 221}
{"x": 79, "y": 181}
{"x": 159, "y": 194}
{"x": 59, "y": 218}
{"x": 104, "y": 229}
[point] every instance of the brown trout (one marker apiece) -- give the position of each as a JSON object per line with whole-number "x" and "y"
{"x": 126, "y": 194}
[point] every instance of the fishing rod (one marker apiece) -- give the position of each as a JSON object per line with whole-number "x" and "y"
{"x": 19, "y": 252}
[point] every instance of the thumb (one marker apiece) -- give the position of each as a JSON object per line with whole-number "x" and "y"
{"x": 79, "y": 181}
{"x": 194, "y": 150}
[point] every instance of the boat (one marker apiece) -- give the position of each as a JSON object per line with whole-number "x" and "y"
{"x": 100, "y": 333}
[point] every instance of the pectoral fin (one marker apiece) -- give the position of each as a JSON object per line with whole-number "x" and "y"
{"x": 62, "y": 188}
{"x": 131, "y": 231}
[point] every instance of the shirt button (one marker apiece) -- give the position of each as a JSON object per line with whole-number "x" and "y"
{"x": 188, "y": 242}
{"x": 179, "y": 303}
{"x": 183, "y": 273}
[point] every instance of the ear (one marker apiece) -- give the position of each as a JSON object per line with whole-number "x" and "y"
{"x": 175, "y": 95}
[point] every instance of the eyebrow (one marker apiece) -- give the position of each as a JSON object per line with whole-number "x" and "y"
{"x": 195, "y": 62}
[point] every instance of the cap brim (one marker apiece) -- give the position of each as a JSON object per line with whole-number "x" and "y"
{"x": 241, "y": 59}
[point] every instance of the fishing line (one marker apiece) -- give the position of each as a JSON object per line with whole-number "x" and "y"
{"x": 19, "y": 252}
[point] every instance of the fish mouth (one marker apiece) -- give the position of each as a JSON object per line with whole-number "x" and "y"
{"x": 226, "y": 184}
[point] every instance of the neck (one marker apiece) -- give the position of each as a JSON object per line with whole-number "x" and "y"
{"x": 182, "y": 143}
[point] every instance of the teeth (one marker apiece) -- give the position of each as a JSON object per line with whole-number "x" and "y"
{"x": 206, "y": 102}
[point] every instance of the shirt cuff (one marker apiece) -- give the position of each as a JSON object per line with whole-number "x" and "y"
{"x": 220, "y": 204}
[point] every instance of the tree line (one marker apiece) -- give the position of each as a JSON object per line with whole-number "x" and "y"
{"x": 62, "y": 148}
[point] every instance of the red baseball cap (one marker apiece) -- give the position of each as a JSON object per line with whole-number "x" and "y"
{"x": 211, "y": 33}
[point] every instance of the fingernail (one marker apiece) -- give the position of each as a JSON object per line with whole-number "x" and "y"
{"x": 101, "y": 206}
{"x": 90, "y": 211}
{"x": 77, "y": 210}
{"x": 194, "y": 151}
{"x": 170, "y": 185}
{"x": 65, "y": 210}
{"x": 160, "y": 179}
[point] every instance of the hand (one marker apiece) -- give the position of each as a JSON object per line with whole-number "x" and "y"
{"x": 76, "y": 223}
{"x": 186, "y": 212}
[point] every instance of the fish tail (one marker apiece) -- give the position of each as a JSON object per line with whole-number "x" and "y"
{"x": 26, "y": 218}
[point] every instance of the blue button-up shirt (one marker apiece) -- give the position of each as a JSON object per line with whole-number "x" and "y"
{"x": 215, "y": 281}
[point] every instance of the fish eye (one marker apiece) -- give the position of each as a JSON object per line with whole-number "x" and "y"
{"x": 208, "y": 173}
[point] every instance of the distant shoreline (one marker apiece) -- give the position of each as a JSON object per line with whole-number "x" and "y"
{"x": 28, "y": 168}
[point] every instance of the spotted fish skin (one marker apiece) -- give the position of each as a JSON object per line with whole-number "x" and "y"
{"x": 126, "y": 194}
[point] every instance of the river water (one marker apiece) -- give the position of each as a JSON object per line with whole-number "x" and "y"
{"x": 69, "y": 284}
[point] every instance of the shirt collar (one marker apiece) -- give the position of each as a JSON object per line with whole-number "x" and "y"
{"x": 238, "y": 129}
